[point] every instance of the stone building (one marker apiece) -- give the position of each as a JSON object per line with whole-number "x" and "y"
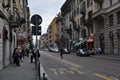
{"x": 77, "y": 23}
{"x": 106, "y": 15}
{"x": 12, "y": 18}
{"x": 91, "y": 24}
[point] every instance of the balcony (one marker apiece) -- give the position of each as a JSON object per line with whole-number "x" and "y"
{"x": 83, "y": 9}
{"x": 98, "y": 13}
{"x": 17, "y": 23}
{"x": 66, "y": 7}
{"x": 69, "y": 31}
{"x": 98, "y": 1}
{"x": 14, "y": 24}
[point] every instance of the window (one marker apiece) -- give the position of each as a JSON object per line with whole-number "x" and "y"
{"x": 77, "y": 10}
{"x": 111, "y": 20}
{"x": 74, "y": 13}
{"x": 110, "y": 2}
{"x": 88, "y": 3}
{"x": 90, "y": 15}
{"x": 118, "y": 17}
{"x": 101, "y": 24}
{"x": 100, "y": 5}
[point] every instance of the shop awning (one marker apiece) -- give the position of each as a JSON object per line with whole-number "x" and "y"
{"x": 79, "y": 43}
{"x": 90, "y": 40}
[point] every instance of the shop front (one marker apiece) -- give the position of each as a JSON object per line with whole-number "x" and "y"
{"x": 21, "y": 39}
{"x": 81, "y": 43}
{"x": 90, "y": 41}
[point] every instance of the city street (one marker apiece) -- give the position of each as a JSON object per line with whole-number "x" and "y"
{"x": 72, "y": 67}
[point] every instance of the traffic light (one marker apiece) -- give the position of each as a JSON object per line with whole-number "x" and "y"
{"x": 38, "y": 30}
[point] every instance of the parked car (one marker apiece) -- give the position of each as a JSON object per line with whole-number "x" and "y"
{"x": 92, "y": 52}
{"x": 50, "y": 49}
{"x": 55, "y": 50}
{"x": 66, "y": 51}
{"x": 82, "y": 52}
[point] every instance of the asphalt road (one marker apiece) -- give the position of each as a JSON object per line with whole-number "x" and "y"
{"x": 72, "y": 67}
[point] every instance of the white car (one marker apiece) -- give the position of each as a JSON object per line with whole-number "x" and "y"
{"x": 55, "y": 50}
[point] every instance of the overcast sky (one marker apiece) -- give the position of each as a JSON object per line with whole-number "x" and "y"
{"x": 47, "y": 9}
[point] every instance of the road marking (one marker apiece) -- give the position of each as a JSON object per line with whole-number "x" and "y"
{"x": 102, "y": 76}
{"x": 70, "y": 63}
{"x": 64, "y": 71}
{"x": 54, "y": 70}
{"x": 76, "y": 70}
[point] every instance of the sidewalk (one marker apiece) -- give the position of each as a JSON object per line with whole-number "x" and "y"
{"x": 105, "y": 56}
{"x": 24, "y": 72}
{"x": 108, "y": 56}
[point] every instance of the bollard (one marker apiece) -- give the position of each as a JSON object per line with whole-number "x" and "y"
{"x": 39, "y": 71}
{"x": 44, "y": 77}
{"x": 31, "y": 58}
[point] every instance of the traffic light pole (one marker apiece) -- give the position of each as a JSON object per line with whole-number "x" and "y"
{"x": 37, "y": 20}
{"x": 37, "y": 61}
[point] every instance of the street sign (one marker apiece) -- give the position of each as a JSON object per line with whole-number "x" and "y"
{"x": 36, "y": 19}
{"x": 38, "y": 30}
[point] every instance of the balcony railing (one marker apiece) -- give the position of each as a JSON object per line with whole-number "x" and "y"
{"x": 100, "y": 12}
{"x": 98, "y": 1}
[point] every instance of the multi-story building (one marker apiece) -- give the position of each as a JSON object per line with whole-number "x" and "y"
{"x": 106, "y": 15}
{"x": 60, "y": 33}
{"x": 51, "y": 31}
{"x": 43, "y": 41}
{"x": 78, "y": 24}
{"x": 4, "y": 33}
{"x": 11, "y": 22}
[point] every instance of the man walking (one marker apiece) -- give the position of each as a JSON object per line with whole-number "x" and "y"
{"x": 61, "y": 52}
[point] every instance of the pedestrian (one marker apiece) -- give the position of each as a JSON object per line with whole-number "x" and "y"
{"x": 61, "y": 52}
{"x": 27, "y": 52}
{"x": 22, "y": 53}
{"x": 36, "y": 55}
{"x": 99, "y": 50}
{"x": 14, "y": 55}
{"x": 17, "y": 56}
{"x": 32, "y": 55}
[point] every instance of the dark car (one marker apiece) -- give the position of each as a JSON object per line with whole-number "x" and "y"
{"x": 82, "y": 52}
{"x": 66, "y": 51}
{"x": 92, "y": 52}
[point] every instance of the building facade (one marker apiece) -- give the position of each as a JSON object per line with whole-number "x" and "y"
{"x": 106, "y": 17}
{"x": 44, "y": 41}
{"x": 11, "y": 21}
{"x": 78, "y": 24}
{"x": 51, "y": 31}
{"x": 91, "y": 24}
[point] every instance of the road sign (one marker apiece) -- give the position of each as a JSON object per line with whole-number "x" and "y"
{"x": 38, "y": 30}
{"x": 36, "y": 19}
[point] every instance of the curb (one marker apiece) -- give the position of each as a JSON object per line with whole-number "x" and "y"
{"x": 43, "y": 74}
{"x": 110, "y": 58}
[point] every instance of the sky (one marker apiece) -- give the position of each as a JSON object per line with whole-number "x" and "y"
{"x": 47, "y": 9}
